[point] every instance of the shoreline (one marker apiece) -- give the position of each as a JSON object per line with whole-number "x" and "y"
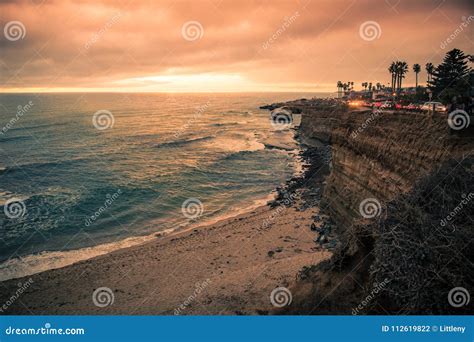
{"x": 30, "y": 264}
{"x": 59, "y": 259}
{"x": 240, "y": 264}
{"x": 244, "y": 257}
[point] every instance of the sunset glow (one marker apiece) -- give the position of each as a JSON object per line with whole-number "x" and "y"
{"x": 209, "y": 46}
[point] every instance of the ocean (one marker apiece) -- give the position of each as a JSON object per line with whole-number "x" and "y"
{"x": 84, "y": 174}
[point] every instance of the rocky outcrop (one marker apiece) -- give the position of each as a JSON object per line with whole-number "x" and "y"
{"x": 378, "y": 158}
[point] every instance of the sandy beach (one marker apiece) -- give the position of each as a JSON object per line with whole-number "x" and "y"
{"x": 227, "y": 268}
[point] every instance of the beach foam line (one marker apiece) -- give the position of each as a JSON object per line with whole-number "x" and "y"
{"x": 48, "y": 260}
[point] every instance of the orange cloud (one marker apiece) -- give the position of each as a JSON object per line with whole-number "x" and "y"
{"x": 235, "y": 45}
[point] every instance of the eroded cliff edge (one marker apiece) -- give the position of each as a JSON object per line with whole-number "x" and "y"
{"x": 395, "y": 178}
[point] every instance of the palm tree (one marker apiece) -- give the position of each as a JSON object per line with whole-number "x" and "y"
{"x": 378, "y": 86}
{"x": 364, "y": 85}
{"x": 401, "y": 70}
{"x": 370, "y": 86}
{"x": 416, "y": 69}
{"x": 393, "y": 71}
{"x": 339, "y": 88}
{"x": 429, "y": 70}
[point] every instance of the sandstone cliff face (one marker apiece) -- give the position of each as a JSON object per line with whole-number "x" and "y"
{"x": 417, "y": 170}
{"x": 378, "y": 155}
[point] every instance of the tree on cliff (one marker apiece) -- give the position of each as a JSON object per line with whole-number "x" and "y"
{"x": 398, "y": 70}
{"x": 429, "y": 70}
{"x": 416, "y": 70}
{"x": 340, "y": 86}
{"x": 402, "y": 69}
{"x": 450, "y": 78}
{"x": 392, "y": 69}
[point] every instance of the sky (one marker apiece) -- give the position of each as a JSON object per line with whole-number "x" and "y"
{"x": 220, "y": 45}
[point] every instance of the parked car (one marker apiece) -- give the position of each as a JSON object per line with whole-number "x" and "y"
{"x": 412, "y": 107}
{"x": 387, "y": 105}
{"x": 376, "y": 104}
{"x": 438, "y": 106}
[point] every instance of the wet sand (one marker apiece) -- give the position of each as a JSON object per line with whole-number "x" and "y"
{"x": 229, "y": 267}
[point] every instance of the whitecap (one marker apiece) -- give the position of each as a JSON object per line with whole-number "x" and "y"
{"x": 236, "y": 143}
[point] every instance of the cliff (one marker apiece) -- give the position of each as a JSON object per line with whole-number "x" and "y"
{"x": 380, "y": 162}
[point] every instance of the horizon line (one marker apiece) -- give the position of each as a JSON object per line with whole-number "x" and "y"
{"x": 162, "y": 92}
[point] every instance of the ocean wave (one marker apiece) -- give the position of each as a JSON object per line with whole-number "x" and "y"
{"x": 6, "y": 195}
{"x": 33, "y": 127}
{"x": 47, "y": 260}
{"x": 236, "y": 143}
{"x": 40, "y": 165}
{"x": 15, "y": 139}
{"x": 181, "y": 142}
{"x": 49, "y": 124}
{"x": 144, "y": 136}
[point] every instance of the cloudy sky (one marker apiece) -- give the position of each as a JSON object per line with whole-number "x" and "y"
{"x": 219, "y": 45}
